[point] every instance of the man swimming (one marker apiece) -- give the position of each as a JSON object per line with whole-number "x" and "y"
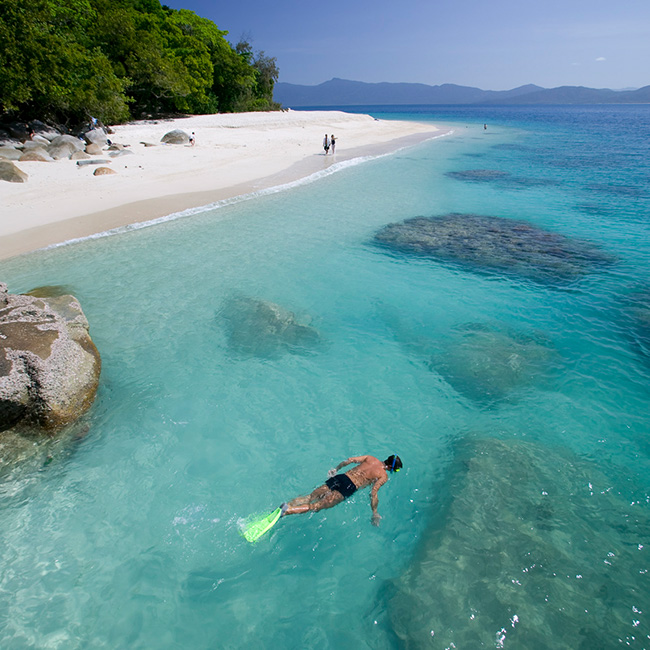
{"x": 338, "y": 487}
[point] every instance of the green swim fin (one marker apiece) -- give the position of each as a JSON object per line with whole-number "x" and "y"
{"x": 255, "y": 529}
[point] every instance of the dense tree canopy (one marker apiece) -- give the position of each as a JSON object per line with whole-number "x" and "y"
{"x": 115, "y": 59}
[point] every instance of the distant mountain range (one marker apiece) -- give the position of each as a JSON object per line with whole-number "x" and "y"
{"x": 341, "y": 92}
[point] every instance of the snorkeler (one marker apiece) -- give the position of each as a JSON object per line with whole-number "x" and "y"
{"x": 338, "y": 487}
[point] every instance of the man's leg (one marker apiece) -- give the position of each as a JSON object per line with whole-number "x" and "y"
{"x": 320, "y": 499}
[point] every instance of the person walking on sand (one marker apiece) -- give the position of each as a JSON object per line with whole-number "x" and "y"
{"x": 338, "y": 487}
{"x": 333, "y": 143}
{"x": 326, "y": 144}
{"x": 192, "y": 139}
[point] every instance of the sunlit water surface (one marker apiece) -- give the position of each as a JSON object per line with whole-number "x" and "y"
{"x": 129, "y": 536}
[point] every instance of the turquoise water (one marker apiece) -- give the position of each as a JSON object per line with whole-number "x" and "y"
{"x": 128, "y": 535}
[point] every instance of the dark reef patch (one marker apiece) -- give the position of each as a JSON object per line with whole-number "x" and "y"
{"x": 494, "y": 245}
{"x": 626, "y": 191}
{"x": 478, "y": 175}
{"x": 502, "y": 178}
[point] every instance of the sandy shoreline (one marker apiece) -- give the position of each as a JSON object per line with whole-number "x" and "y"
{"x": 235, "y": 154}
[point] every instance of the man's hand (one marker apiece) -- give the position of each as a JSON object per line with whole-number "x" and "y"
{"x": 331, "y": 472}
{"x": 376, "y": 518}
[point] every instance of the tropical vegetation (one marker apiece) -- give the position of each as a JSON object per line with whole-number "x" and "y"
{"x": 66, "y": 60}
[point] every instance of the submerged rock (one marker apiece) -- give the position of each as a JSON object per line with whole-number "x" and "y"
{"x": 264, "y": 329}
{"x": 487, "y": 364}
{"x": 478, "y": 175}
{"x": 496, "y": 245}
{"x": 49, "y": 366}
{"x": 531, "y": 544}
{"x": 636, "y": 310}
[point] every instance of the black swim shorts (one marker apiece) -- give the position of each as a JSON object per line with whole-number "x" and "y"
{"x": 342, "y": 483}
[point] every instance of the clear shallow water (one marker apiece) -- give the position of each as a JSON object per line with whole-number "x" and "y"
{"x": 129, "y": 537}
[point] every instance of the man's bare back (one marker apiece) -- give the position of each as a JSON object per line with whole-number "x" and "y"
{"x": 338, "y": 487}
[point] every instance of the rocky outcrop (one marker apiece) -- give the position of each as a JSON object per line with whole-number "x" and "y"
{"x": 10, "y": 173}
{"x": 49, "y": 365}
{"x": 495, "y": 245}
{"x": 177, "y": 136}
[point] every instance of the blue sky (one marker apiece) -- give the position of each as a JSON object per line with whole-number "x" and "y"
{"x": 492, "y": 45}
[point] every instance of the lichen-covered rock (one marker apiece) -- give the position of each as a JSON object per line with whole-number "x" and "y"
{"x": 10, "y": 173}
{"x": 531, "y": 548}
{"x": 177, "y": 136}
{"x": 49, "y": 365}
{"x": 264, "y": 329}
{"x": 494, "y": 245}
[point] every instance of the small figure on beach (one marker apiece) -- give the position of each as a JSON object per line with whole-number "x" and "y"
{"x": 192, "y": 139}
{"x": 338, "y": 487}
{"x": 485, "y": 127}
{"x": 326, "y": 144}
{"x": 333, "y": 143}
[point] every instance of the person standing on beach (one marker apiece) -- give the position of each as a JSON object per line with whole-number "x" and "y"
{"x": 192, "y": 139}
{"x": 326, "y": 144}
{"x": 333, "y": 143}
{"x": 338, "y": 487}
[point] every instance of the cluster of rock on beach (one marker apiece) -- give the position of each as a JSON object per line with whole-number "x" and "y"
{"x": 49, "y": 365}
{"x": 42, "y": 143}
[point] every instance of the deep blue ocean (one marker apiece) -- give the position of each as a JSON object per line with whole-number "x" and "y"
{"x": 517, "y": 399}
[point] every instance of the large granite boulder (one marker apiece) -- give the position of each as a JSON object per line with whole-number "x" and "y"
{"x": 36, "y": 155}
{"x": 10, "y": 173}
{"x": 177, "y": 136}
{"x": 494, "y": 245}
{"x": 10, "y": 153}
{"x": 263, "y": 329}
{"x": 49, "y": 365}
{"x": 96, "y": 136}
{"x": 63, "y": 146}
{"x": 532, "y": 547}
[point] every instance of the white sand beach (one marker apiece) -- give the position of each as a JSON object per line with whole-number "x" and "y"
{"x": 234, "y": 154}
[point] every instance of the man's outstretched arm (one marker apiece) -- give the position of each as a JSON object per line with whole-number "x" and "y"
{"x": 374, "y": 500}
{"x": 349, "y": 461}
